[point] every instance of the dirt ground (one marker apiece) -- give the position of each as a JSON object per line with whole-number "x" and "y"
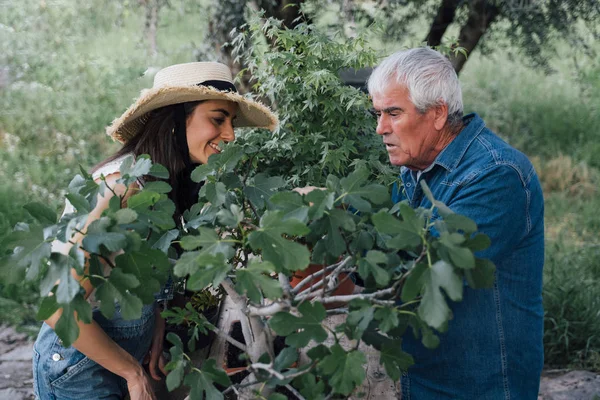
{"x": 16, "y": 379}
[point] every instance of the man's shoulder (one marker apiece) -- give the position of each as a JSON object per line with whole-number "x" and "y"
{"x": 489, "y": 152}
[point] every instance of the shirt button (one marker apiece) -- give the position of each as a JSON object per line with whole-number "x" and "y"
{"x": 166, "y": 290}
{"x": 56, "y": 357}
{"x": 409, "y": 184}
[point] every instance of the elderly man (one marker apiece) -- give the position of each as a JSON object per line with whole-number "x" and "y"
{"x": 493, "y": 347}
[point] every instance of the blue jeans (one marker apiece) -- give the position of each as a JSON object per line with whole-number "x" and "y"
{"x": 64, "y": 373}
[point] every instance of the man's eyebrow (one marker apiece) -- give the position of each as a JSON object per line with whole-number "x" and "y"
{"x": 385, "y": 110}
{"x": 391, "y": 109}
{"x": 222, "y": 110}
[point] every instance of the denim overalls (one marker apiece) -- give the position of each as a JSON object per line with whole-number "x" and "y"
{"x": 61, "y": 373}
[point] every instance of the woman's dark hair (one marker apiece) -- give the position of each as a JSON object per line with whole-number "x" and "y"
{"x": 159, "y": 141}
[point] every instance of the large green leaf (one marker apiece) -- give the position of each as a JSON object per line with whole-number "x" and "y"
{"x": 320, "y": 201}
{"x": 405, "y": 234}
{"x": 370, "y": 266}
{"x": 41, "y": 212}
{"x": 283, "y": 253}
{"x": 291, "y": 204}
{"x": 150, "y": 266}
{"x": 30, "y": 253}
{"x": 202, "y": 381}
{"x": 482, "y": 276}
{"x": 262, "y": 189}
{"x": 361, "y": 196}
{"x": 310, "y": 388}
{"x": 359, "y": 318}
{"x": 301, "y": 330}
{"x": 204, "y": 269}
{"x": 255, "y": 278}
{"x": 209, "y": 243}
{"x": 66, "y": 327}
{"x": 394, "y": 359}
{"x": 433, "y": 308}
{"x": 118, "y": 287}
{"x": 345, "y": 369}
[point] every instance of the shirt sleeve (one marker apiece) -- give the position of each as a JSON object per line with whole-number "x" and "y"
{"x": 498, "y": 201}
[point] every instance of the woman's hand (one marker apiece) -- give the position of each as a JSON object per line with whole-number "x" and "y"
{"x": 155, "y": 358}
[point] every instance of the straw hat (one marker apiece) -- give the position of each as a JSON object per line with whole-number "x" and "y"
{"x": 182, "y": 83}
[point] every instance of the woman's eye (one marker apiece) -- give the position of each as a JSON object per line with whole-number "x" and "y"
{"x": 219, "y": 121}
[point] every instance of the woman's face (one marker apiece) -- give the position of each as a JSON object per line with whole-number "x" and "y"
{"x": 210, "y": 122}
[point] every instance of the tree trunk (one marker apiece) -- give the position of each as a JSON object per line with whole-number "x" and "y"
{"x": 151, "y": 25}
{"x": 444, "y": 17}
{"x": 481, "y": 15}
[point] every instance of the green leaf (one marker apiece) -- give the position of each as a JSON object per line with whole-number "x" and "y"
{"x": 118, "y": 287}
{"x": 321, "y": 201}
{"x": 31, "y": 252}
{"x": 482, "y": 276}
{"x": 142, "y": 200}
{"x": 413, "y": 284}
{"x": 357, "y": 195}
{"x": 209, "y": 242}
{"x": 252, "y": 280}
{"x": 285, "y": 359}
{"x": 277, "y": 396}
{"x": 66, "y": 328}
{"x": 164, "y": 241}
{"x": 309, "y": 325}
{"x": 215, "y": 193}
{"x": 231, "y": 217}
{"x": 359, "y": 318}
{"x": 159, "y": 171}
{"x": 344, "y": 368}
{"x": 41, "y": 212}
{"x": 291, "y": 204}
{"x": 433, "y": 308}
{"x": 204, "y": 269}
{"x": 158, "y": 187}
{"x": 388, "y": 319}
{"x": 478, "y": 242}
{"x": 175, "y": 376}
{"x": 201, "y": 172}
{"x": 310, "y": 388}
{"x": 283, "y": 253}
{"x": 48, "y": 307}
{"x": 262, "y": 189}
{"x": 405, "y": 235}
{"x": 369, "y": 266}
{"x": 202, "y": 382}
{"x": 125, "y": 216}
{"x": 394, "y": 360}
{"x": 460, "y": 222}
{"x": 112, "y": 241}
{"x": 60, "y": 269}
{"x": 79, "y": 202}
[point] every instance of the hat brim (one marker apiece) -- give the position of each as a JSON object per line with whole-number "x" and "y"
{"x": 250, "y": 113}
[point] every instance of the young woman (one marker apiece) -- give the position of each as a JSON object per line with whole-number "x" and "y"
{"x": 179, "y": 122}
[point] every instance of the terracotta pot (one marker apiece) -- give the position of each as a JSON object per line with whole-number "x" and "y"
{"x": 346, "y": 287}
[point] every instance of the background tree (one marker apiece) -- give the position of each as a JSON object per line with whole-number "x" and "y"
{"x": 529, "y": 25}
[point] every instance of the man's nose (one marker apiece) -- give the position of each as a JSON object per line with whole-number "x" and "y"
{"x": 382, "y": 125}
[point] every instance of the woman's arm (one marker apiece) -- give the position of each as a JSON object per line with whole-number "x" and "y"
{"x": 92, "y": 340}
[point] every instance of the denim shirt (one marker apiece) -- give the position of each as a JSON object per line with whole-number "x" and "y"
{"x": 493, "y": 347}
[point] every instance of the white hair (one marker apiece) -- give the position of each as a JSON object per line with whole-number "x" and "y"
{"x": 428, "y": 76}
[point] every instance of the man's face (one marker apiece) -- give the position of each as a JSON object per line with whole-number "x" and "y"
{"x": 410, "y": 137}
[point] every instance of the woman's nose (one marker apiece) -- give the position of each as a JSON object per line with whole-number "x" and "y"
{"x": 227, "y": 134}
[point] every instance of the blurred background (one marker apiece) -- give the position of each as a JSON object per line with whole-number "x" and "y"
{"x": 68, "y": 68}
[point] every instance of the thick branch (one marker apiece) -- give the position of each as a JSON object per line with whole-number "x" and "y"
{"x": 443, "y": 18}
{"x": 481, "y": 15}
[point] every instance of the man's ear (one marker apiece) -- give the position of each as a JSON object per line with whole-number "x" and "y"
{"x": 440, "y": 116}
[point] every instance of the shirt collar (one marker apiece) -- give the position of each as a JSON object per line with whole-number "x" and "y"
{"x": 453, "y": 153}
